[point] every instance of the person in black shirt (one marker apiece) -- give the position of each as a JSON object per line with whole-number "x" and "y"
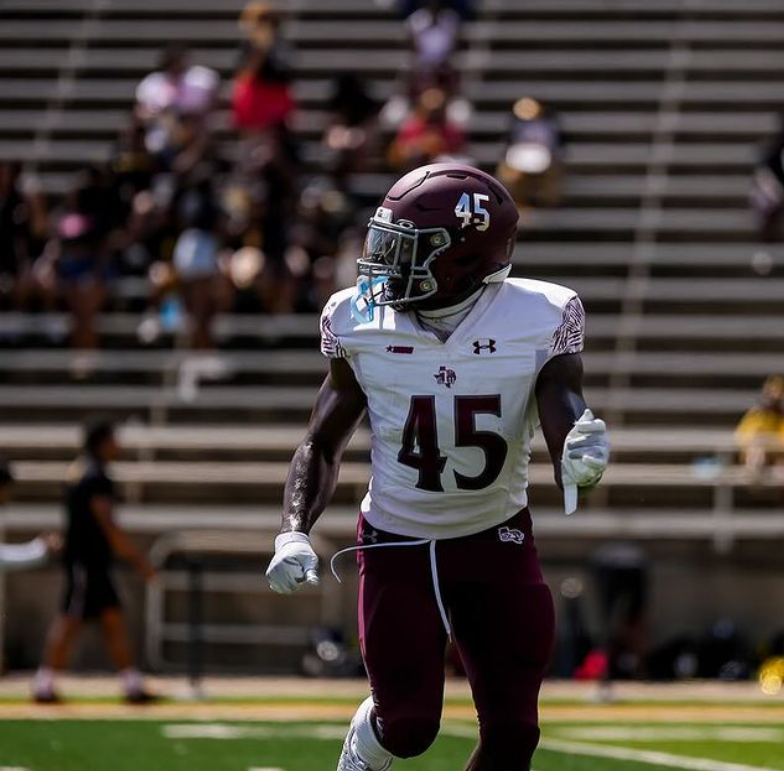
{"x": 92, "y": 541}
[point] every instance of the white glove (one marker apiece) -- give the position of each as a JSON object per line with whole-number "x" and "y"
{"x": 294, "y": 564}
{"x": 586, "y": 454}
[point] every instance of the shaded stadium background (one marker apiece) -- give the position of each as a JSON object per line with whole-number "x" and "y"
{"x": 659, "y": 205}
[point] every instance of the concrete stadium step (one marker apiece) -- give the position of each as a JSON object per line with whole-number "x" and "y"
{"x": 162, "y": 481}
{"x": 264, "y": 330}
{"x": 339, "y": 523}
{"x": 266, "y": 442}
{"x": 302, "y": 330}
{"x": 384, "y": 61}
{"x": 583, "y": 125}
{"x": 631, "y": 8}
{"x": 706, "y": 255}
{"x": 357, "y": 474}
{"x": 701, "y": 404}
{"x": 583, "y": 157}
{"x": 531, "y": 9}
{"x": 739, "y": 224}
{"x": 189, "y": 375}
{"x": 368, "y": 33}
{"x": 565, "y": 95}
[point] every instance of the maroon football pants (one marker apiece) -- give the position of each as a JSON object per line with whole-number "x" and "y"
{"x": 502, "y": 622}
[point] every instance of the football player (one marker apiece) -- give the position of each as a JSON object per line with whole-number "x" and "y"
{"x": 455, "y": 364}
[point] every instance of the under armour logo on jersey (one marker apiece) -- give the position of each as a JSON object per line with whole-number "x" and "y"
{"x": 371, "y": 537}
{"x": 484, "y": 344}
{"x": 511, "y": 536}
{"x": 445, "y": 377}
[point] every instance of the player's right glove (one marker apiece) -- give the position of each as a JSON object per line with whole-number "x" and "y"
{"x": 586, "y": 454}
{"x": 294, "y": 565}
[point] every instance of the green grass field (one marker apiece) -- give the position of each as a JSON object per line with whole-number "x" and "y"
{"x": 151, "y": 744}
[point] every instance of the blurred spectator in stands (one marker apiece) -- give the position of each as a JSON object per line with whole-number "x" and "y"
{"x": 93, "y": 540}
{"x": 174, "y": 104}
{"x": 6, "y": 483}
{"x": 80, "y": 259}
{"x": 434, "y": 33}
{"x": 466, "y": 8}
{"x": 133, "y": 171}
{"x": 434, "y": 37}
{"x": 256, "y": 266}
{"x": 265, "y": 178}
{"x": 352, "y": 125}
{"x": 325, "y": 213}
{"x": 132, "y": 164}
{"x": 196, "y": 256}
{"x": 427, "y": 135}
{"x": 19, "y": 556}
{"x": 262, "y": 98}
{"x": 23, "y": 232}
{"x": 767, "y": 196}
{"x": 532, "y": 168}
{"x": 760, "y": 433}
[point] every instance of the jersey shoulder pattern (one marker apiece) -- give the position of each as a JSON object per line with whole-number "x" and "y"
{"x": 334, "y": 324}
{"x": 556, "y": 310}
{"x": 570, "y": 336}
{"x": 344, "y": 336}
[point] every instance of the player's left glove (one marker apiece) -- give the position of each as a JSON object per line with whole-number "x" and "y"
{"x": 586, "y": 454}
{"x": 294, "y": 565}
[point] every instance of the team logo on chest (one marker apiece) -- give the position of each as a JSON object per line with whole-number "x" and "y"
{"x": 445, "y": 377}
{"x": 484, "y": 345}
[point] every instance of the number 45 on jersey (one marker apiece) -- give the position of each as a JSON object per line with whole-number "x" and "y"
{"x": 421, "y": 432}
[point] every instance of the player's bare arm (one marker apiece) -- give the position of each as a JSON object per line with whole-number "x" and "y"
{"x": 313, "y": 475}
{"x": 559, "y": 398}
{"x": 577, "y": 441}
{"x": 121, "y": 544}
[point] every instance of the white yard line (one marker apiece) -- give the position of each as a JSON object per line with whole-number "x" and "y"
{"x": 459, "y": 730}
{"x": 646, "y": 756}
{"x": 227, "y": 731}
{"x": 672, "y": 733}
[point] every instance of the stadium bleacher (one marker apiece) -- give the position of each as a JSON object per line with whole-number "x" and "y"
{"x": 664, "y": 105}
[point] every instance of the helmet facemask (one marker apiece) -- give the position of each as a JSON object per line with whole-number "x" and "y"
{"x": 395, "y": 267}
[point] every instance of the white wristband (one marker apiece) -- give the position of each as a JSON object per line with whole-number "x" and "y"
{"x": 291, "y": 537}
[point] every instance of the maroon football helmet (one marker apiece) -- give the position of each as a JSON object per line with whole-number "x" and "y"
{"x": 441, "y": 232}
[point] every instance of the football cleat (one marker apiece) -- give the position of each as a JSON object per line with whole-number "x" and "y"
{"x": 349, "y": 760}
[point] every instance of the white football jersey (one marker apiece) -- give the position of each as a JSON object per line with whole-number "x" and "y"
{"x": 452, "y": 422}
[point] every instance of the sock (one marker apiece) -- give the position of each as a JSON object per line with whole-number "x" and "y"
{"x": 43, "y": 682}
{"x": 365, "y": 743}
{"x": 131, "y": 680}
